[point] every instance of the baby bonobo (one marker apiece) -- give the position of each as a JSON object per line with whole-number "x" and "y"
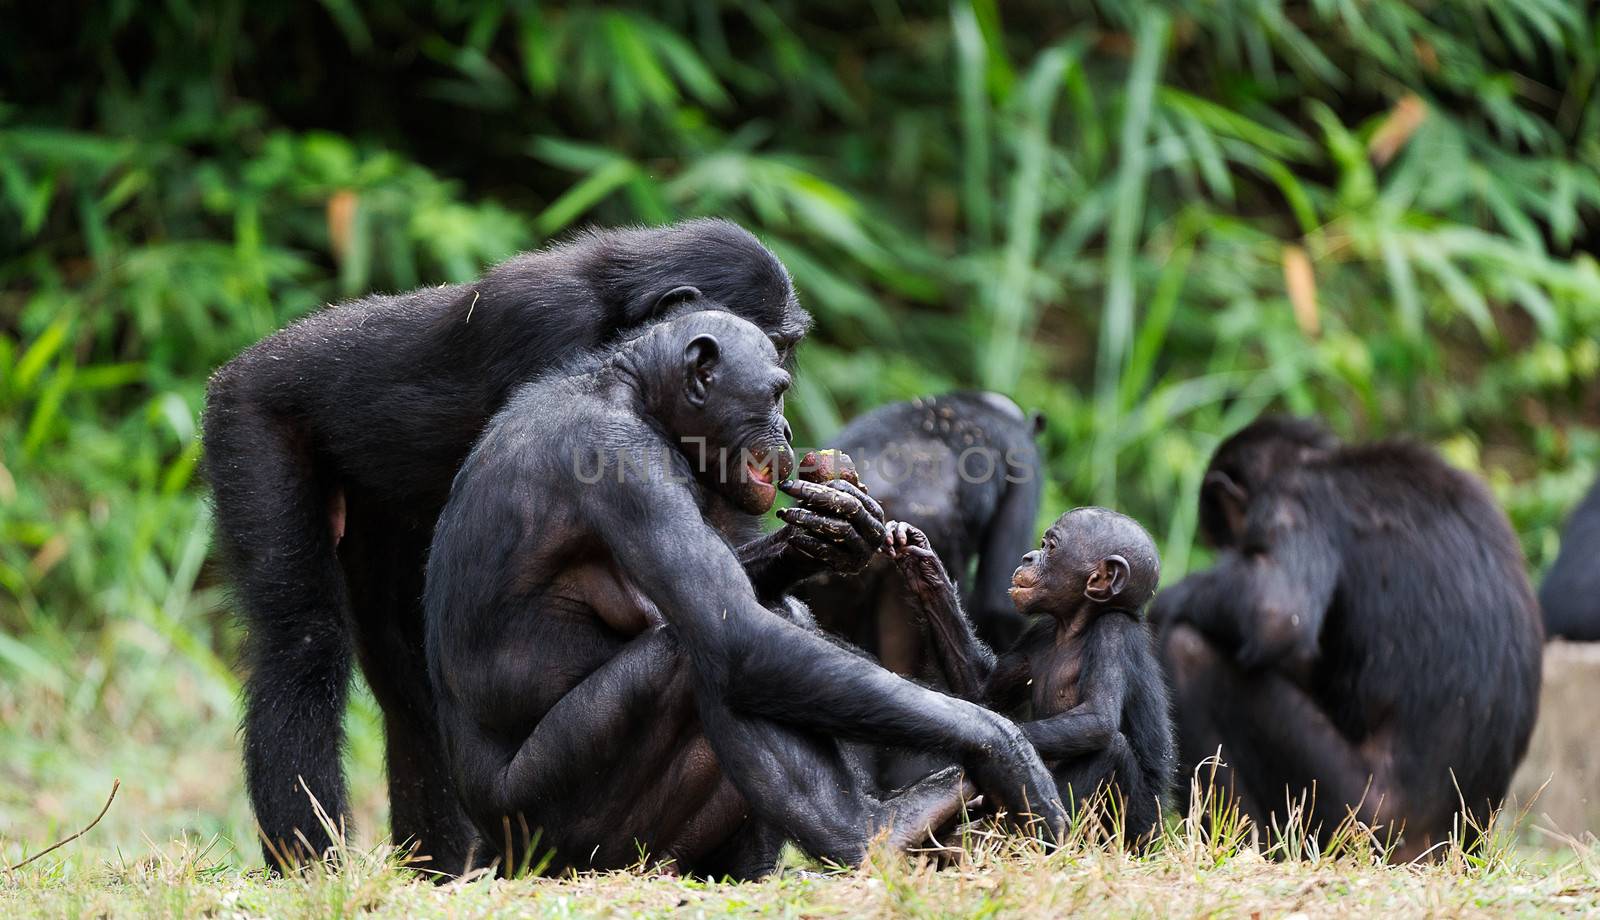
{"x": 1083, "y": 680}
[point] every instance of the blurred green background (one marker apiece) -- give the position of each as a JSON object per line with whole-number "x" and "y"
{"x": 1151, "y": 221}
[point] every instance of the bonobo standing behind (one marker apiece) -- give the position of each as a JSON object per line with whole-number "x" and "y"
{"x": 1083, "y": 675}
{"x": 607, "y": 677}
{"x": 964, "y": 469}
{"x": 1367, "y": 629}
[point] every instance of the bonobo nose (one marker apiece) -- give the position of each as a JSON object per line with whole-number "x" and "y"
{"x": 1030, "y": 558}
{"x": 788, "y": 433}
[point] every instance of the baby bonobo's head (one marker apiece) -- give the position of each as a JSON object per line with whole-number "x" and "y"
{"x": 1090, "y": 558}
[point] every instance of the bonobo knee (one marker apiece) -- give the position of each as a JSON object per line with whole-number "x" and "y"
{"x": 1188, "y": 655}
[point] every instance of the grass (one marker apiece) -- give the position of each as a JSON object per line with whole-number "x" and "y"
{"x": 178, "y": 841}
{"x": 1192, "y": 873}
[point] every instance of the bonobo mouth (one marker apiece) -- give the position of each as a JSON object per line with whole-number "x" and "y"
{"x": 764, "y": 469}
{"x": 1023, "y": 580}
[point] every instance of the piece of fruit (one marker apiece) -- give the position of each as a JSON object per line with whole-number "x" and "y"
{"x": 827, "y": 465}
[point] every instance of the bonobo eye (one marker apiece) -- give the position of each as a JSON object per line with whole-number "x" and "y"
{"x": 784, "y": 345}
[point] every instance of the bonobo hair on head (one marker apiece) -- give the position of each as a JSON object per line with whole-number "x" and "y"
{"x": 1107, "y": 533}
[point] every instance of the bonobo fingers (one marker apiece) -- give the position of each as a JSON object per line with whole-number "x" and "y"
{"x": 909, "y": 546}
{"x": 1013, "y": 775}
{"x": 824, "y": 528}
{"x": 860, "y": 495}
{"x": 839, "y": 499}
{"x": 828, "y": 540}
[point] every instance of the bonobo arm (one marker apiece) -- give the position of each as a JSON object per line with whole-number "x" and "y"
{"x": 967, "y": 663}
{"x": 1103, "y": 682}
{"x": 763, "y": 665}
{"x": 1266, "y": 600}
{"x": 834, "y": 527}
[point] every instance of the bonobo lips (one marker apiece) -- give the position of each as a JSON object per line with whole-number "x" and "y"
{"x": 1023, "y": 581}
{"x": 764, "y": 469}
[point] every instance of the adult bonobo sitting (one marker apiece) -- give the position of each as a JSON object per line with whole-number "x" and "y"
{"x": 1367, "y": 628}
{"x": 330, "y": 448}
{"x": 606, "y": 677}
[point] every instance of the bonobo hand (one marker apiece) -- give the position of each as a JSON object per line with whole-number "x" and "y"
{"x": 836, "y": 524}
{"x": 919, "y": 565}
{"x": 1008, "y": 771}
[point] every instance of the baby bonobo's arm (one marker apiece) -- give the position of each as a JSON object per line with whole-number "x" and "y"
{"x": 1103, "y": 682}
{"x": 968, "y": 664}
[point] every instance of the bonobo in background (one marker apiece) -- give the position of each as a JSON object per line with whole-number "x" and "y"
{"x": 608, "y": 678}
{"x": 964, "y": 469}
{"x": 330, "y": 447}
{"x": 1082, "y": 680}
{"x": 1367, "y": 628}
{"x": 1570, "y": 594}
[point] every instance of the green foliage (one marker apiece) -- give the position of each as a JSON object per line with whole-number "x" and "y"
{"x": 1099, "y": 207}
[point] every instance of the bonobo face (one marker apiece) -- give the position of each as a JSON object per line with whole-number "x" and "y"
{"x": 1246, "y": 462}
{"x": 731, "y": 422}
{"x": 1090, "y": 557}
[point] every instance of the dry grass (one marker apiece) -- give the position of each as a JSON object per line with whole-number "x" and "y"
{"x": 177, "y": 842}
{"x": 1215, "y": 867}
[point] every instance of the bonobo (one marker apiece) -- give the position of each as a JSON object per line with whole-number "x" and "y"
{"x": 964, "y": 469}
{"x": 607, "y": 678}
{"x": 1084, "y": 675}
{"x": 1367, "y": 630}
{"x": 1570, "y": 594}
{"x": 330, "y": 447}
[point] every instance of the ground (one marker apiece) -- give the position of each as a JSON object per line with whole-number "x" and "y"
{"x": 177, "y": 841}
{"x": 1080, "y": 882}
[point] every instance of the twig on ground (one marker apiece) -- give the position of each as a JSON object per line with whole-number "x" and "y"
{"x": 115, "y": 785}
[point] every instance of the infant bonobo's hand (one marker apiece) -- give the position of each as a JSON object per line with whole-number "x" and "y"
{"x": 834, "y": 520}
{"x": 919, "y": 565}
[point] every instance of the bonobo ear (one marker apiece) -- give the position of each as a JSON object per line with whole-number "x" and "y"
{"x": 1037, "y": 421}
{"x": 680, "y": 294}
{"x": 700, "y": 359}
{"x": 1108, "y": 579}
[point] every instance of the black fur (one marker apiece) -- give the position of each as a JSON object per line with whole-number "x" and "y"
{"x": 1083, "y": 679}
{"x": 964, "y": 469}
{"x": 1367, "y": 627}
{"x": 592, "y": 639}
{"x": 373, "y": 404}
{"x": 1570, "y": 594}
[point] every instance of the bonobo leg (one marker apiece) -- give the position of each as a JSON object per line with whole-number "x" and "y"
{"x": 273, "y": 525}
{"x": 807, "y": 785}
{"x": 1277, "y": 744}
{"x": 384, "y": 561}
{"x": 616, "y": 764}
{"x": 763, "y": 670}
{"x": 622, "y": 761}
{"x": 1126, "y": 796}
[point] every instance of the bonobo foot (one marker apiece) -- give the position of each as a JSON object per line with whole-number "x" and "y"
{"x": 918, "y": 811}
